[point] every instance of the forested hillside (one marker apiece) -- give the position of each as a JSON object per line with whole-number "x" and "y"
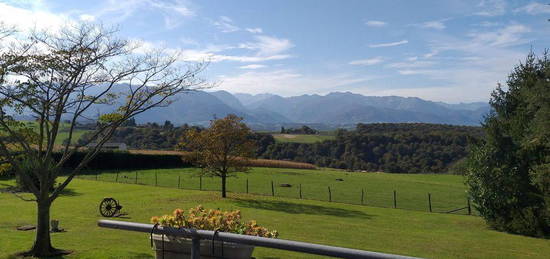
{"x": 388, "y": 147}
{"x": 396, "y": 148}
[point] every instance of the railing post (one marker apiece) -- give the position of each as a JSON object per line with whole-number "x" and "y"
{"x": 394, "y": 199}
{"x": 430, "y": 201}
{"x": 272, "y": 189}
{"x": 196, "y": 248}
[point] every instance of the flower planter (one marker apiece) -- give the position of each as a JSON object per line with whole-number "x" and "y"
{"x": 177, "y": 247}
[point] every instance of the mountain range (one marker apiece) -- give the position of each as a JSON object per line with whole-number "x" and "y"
{"x": 338, "y": 109}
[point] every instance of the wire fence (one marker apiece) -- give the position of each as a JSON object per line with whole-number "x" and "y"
{"x": 437, "y": 203}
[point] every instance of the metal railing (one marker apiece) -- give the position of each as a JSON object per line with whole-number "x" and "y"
{"x": 196, "y": 235}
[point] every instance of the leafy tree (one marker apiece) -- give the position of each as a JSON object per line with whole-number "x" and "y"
{"x": 56, "y": 76}
{"x": 221, "y": 149}
{"x": 509, "y": 174}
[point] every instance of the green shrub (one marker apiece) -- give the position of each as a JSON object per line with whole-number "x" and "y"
{"x": 125, "y": 160}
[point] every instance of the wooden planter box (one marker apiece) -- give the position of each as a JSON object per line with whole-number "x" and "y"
{"x": 177, "y": 247}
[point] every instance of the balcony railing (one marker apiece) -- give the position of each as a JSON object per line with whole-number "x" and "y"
{"x": 197, "y": 235}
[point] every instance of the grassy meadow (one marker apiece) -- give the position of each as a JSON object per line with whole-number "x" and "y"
{"x": 63, "y": 132}
{"x": 387, "y": 230}
{"x": 301, "y": 138}
{"x": 447, "y": 191}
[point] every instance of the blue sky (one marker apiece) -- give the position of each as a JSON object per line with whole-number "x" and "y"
{"x": 454, "y": 51}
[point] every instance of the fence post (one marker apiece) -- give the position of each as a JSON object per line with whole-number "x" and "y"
{"x": 96, "y": 176}
{"x": 272, "y": 189}
{"x": 200, "y": 182}
{"x": 116, "y": 177}
{"x": 469, "y": 208}
{"x": 246, "y": 185}
{"x": 329, "y": 194}
{"x": 136, "y": 178}
{"x": 394, "y": 199}
{"x": 362, "y": 196}
{"x": 430, "y": 201}
{"x": 179, "y": 180}
{"x": 300, "y": 191}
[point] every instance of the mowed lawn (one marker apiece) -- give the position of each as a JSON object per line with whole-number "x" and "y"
{"x": 414, "y": 233}
{"x": 448, "y": 192}
{"x": 301, "y": 138}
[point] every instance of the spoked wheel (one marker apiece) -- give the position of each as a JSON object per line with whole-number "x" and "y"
{"x": 108, "y": 207}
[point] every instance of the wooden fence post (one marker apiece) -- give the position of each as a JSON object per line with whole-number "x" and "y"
{"x": 300, "y": 191}
{"x": 272, "y": 189}
{"x": 430, "y": 201}
{"x": 329, "y": 194}
{"x": 362, "y": 196}
{"x": 394, "y": 199}
{"x": 246, "y": 185}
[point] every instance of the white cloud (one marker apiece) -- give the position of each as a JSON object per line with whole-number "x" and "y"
{"x": 254, "y": 30}
{"x": 415, "y": 71}
{"x": 267, "y": 45}
{"x": 438, "y": 25}
{"x": 508, "y": 36}
{"x": 492, "y": 8}
{"x": 389, "y": 44}
{"x": 411, "y": 64}
{"x": 172, "y": 12}
{"x": 534, "y": 8}
{"x": 225, "y": 24}
{"x": 253, "y": 66}
{"x": 376, "y": 23}
{"x": 367, "y": 62}
{"x": 87, "y": 18}
{"x": 26, "y": 19}
{"x": 488, "y": 24}
{"x": 265, "y": 48}
{"x": 288, "y": 82}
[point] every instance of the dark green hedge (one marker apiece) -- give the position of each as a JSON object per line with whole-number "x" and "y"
{"x": 123, "y": 160}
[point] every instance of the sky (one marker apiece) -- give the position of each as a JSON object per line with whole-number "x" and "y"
{"x": 440, "y": 50}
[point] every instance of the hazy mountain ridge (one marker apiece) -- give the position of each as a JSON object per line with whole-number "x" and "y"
{"x": 338, "y": 109}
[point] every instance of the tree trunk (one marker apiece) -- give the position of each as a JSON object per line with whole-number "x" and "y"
{"x": 223, "y": 185}
{"x": 42, "y": 243}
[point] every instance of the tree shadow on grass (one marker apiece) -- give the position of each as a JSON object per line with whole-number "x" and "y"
{"x": 297, "y": 208}
{"x": 7, "y": 188}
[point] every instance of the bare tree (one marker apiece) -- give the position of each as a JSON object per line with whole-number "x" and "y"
{"x": 61, "y": 75}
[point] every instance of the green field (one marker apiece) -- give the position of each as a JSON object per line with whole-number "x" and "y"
{"x": 447, "y": 191}
{"x": 376, "y": 229}
{"x": 301, "y": 138}
{"x": 63, "y": 132}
